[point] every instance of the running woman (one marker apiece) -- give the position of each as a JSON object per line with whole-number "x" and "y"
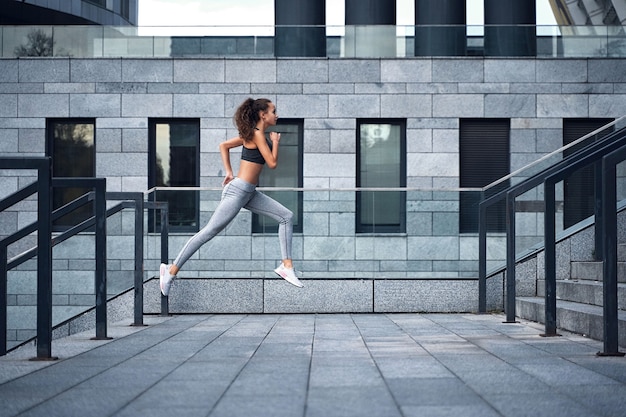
{"x": 252, "y": 118}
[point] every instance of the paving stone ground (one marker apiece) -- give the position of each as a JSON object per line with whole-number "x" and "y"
{"x": 317, "y": 365}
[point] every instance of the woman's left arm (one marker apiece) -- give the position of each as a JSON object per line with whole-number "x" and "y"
{"x": 225, "y": 148}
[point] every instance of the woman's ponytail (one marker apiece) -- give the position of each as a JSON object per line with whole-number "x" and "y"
{"x": 247, "y": 116}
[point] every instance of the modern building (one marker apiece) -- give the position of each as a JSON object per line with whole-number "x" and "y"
{"x": 589, "y": 12}
{"x": 387, "y": 149}
{"x": 69, "y": 12}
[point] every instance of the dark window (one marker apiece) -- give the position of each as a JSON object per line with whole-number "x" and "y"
{"x": 288, "y": 174}
{"x": 125, "y": 10}
{"x": 174, "y": 158}
{"x": 71, "y": 144}
{"x": 381, "y": 163}
{"x": 101, "y": 3}
{"x": 484, "y": 158}
{"x": 578, "y": 188}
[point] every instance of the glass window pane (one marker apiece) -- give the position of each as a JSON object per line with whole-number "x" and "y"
{"x": 176, "y": 161}
{"x": 381, "y": 165}
{"x": 71, "y": 145}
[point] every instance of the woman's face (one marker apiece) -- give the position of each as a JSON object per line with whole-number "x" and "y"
{"x": 270, "y": 117}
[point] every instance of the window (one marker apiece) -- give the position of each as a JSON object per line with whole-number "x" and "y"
{"x": 578, "y": 188}
{"x": 71, "y": 144}
{"x": 288, "y": 174}
{"x": 174, "y": 158}
{"x": 125, "y": 9}
{"x": 101, "y": 3}
{"x": 484, "y": 158}
{"x": 381, "y": 163}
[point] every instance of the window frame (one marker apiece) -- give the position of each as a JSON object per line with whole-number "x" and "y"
{"x": 400, "y": 227}
{"x": 468, "y": 204}
{"x": 153, "y": 220}
{"x": 59, "y": 224}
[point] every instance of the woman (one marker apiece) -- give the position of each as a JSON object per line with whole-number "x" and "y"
{"x": 251, "y": 118}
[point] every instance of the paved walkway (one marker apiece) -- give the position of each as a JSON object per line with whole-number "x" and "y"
{"x": 317, "y": 365}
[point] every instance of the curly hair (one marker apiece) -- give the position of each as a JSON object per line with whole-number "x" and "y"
{"x": 247, "y": 116}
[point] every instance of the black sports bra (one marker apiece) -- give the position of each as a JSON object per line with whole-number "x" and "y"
{"x": 254, "y": 155}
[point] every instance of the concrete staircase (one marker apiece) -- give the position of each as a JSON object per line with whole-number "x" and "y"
{"x": 580, "y": 300}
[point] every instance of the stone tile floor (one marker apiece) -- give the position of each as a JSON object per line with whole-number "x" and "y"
{"x": 317, "y": 365}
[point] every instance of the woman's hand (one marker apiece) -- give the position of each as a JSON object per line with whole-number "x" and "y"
{"x": 275, "y": 137}
{"x": 228, "y": 178}
{"x": 225, "y": 153}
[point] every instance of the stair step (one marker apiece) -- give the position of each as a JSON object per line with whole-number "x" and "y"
{"x": 593, "y": 271}
{"x": 585, "y": 291}
{"x": 585, "y": 319}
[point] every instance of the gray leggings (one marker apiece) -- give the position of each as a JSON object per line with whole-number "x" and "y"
{"x": 236, "y": 195}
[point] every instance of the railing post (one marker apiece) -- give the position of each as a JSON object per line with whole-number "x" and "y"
{"x": 3, "y": 299}
{"x": 482, "y": 258}
{"x": 138, "y": 261}
{"x": 598, "y": 212}
{"x": 138, "y": 206}
{"x": 550, "y": 258}
{"x": 44, "y": 261}
{"x": 510, "y": 258}
{"x": 609, "y": 266}
{"x": 165, "y": 306}
{"x": 101, "y": 259}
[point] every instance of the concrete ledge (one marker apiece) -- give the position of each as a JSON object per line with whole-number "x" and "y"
{"x": 395, "y": 296}
{"x": 259, "y": 295}
{"x": 319, "y": 296}
{"x": 207, "y": 296}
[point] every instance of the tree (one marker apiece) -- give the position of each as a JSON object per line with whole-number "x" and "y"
{"x": 39, "y": 44}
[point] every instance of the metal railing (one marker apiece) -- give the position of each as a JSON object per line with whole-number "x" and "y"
{"x": 609, "y": 251}
{"x": 373, "y": 41}
{"x": 598, "y": 147}
{"x": 45, "y": 241}
{"x": 43, "y": 188}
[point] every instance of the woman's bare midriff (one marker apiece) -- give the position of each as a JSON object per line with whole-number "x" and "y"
{"x": 249, "y": 172}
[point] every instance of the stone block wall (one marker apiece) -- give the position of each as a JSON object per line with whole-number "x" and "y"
{"x": 432, "y": 94}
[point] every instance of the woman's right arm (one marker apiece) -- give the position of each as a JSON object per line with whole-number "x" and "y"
{"x": 270, "y": 155}
{"x": 225, "y": 148}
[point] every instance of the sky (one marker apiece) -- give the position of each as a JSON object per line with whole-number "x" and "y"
{"x": 256, "y": 17}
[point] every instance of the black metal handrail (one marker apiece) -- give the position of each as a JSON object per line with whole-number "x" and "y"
{"x": 31, "y": 228}
{"x": 609, "y": 252}
{"x": 594, "y": 153}
{"x": 598, "y": 149}
{"x": 46, "y": 216}
{"x": 19, "y": 195}
{"x": 43, "y": 188}
{"x": 44, "y": 326}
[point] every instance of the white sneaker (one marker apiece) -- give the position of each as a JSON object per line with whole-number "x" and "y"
{"x": 165, "y": 279}
{"x": 289, "y": 275}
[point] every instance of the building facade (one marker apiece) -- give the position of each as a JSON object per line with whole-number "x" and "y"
{"x": 589, "y": 13}
{"x": 69, "y": 12}
{"x": 384, "y": 163}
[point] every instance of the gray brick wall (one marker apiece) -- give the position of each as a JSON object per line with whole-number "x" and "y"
{"x": 329, "y": 94}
